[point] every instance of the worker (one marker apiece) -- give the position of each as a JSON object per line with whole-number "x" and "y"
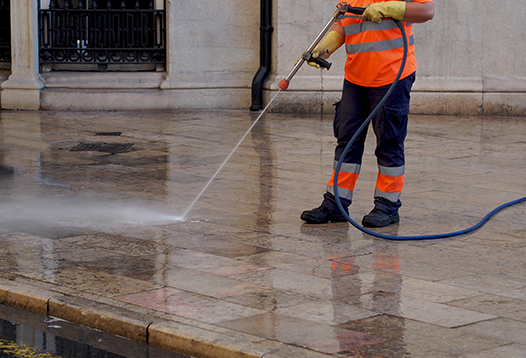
{"x": 375, "y": 50}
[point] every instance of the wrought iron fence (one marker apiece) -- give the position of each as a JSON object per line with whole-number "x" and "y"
{"x": 102, "y": 33}
{"x": 5, "y": 31}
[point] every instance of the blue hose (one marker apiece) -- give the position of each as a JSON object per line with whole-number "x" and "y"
{"x": 353, "y": 139}
{"x": 431, "y": 237}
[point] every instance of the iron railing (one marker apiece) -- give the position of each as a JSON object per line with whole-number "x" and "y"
{"x": 5, "y": 31}
{"x": 81, "y": 33}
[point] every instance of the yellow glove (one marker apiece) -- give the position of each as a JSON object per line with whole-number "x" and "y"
{"x": 377, "y": 11}
{"x": 330, "y": 43}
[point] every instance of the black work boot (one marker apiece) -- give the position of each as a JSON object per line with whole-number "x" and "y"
{"x": 322, "y": 215}
{"x": 379, "y": 218}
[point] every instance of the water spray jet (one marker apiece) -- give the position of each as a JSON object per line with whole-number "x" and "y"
{"x": 229, "y": 156}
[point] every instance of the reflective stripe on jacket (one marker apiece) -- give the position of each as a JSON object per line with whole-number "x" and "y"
{"x": 375, "y": 51}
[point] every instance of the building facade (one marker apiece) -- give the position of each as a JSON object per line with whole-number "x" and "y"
{"x": 173, "y": 54}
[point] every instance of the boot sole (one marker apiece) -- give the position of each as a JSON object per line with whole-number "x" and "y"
{"x": 391, "y": 221}
{"x": 331, "y": 220}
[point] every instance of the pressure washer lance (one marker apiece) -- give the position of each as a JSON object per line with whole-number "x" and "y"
{"x": 342, "y": 8}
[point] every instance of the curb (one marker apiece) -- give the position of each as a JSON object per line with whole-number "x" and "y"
{"x": 215, "y": 342}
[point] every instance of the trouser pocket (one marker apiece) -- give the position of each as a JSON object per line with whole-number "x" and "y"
{"x": 336, "y": 122}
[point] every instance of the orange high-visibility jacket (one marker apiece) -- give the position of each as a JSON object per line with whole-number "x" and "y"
{"x": 375, "y": 51}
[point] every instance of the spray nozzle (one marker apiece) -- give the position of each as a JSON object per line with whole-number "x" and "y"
{"x": 283, "y": 84}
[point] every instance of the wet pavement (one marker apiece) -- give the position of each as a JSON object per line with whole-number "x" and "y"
{"x": 94, "y": 235}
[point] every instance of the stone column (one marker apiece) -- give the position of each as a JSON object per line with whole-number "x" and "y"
{"x": 22, "y": 89}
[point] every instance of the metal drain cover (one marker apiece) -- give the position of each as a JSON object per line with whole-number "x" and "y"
{"x": 103, "y": 147}
{"x": 114, "y": 134}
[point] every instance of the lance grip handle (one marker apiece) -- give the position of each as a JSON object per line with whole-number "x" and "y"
{"x": 307, "y": 56}
{"x": 355, "y": 10}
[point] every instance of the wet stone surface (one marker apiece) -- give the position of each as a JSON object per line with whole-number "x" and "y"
{"x": 108, "y": 226}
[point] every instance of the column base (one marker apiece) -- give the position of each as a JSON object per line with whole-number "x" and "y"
{"x": 21, "y": 99}
{"x": 22, "y": 92}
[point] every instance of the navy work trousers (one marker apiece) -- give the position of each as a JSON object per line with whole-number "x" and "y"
{"x": 389, "y": 125}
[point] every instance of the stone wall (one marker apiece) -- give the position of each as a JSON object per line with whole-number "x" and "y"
{"x": 470, "y": 58}
{"x": 471, "y": 61}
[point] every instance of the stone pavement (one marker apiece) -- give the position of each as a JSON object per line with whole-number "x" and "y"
{"x": 90, "y": 231}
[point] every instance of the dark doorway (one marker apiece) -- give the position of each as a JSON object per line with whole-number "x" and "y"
{"x": 5, "y": 35}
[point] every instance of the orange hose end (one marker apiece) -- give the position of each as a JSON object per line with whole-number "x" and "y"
{"x": 283, "y": 85}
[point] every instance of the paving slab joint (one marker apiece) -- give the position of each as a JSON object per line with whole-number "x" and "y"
{"x": 114, "y": 320}
{"x": 31, "y": 298}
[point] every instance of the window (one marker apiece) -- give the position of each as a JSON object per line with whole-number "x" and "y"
{"x": 114, "y": 35}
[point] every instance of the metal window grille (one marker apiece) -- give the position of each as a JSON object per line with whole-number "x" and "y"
{"x": 5, "y": 31}
{"x": 102, "y": 33}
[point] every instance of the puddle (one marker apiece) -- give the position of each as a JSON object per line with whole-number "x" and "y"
{"x": 29, "y": 335}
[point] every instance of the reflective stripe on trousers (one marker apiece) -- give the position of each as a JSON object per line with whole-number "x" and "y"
{"x": 389, "y": 183}
{"x": 346, "y": 179}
